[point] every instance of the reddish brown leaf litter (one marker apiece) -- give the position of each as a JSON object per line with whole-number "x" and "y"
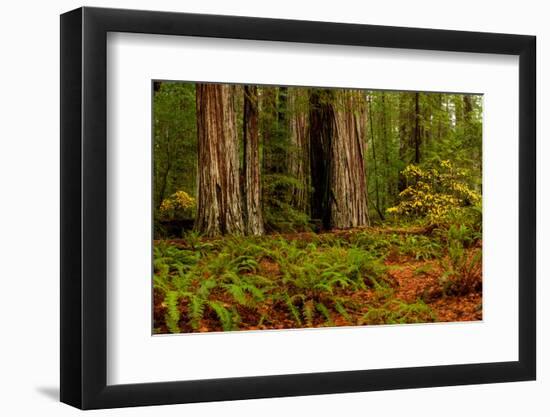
{"x": 420, "y": 280}
{"x": 410, "y": 281}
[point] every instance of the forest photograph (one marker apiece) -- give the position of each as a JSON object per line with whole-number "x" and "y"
{"x": 282, "y": 207}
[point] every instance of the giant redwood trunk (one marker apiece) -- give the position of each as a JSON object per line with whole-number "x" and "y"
{"x": 219, "y": 202}
{"x": 298, "y": 155}
{"x": 252, "y": 210}
{"x": 321, "y": 126}
{"x": 348, "y": 194}
{"x": 337, "y": 150}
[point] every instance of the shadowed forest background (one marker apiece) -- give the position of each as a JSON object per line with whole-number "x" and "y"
{"x": 290, "y": 207}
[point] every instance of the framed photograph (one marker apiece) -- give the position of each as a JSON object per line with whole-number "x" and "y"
{"x": 257, "y": 208}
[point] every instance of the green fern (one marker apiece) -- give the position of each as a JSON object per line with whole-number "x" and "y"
{"x": 339, "y": 307}
{"x": 321, "y": 308}
{"x": 293, "y": 310}
{"x": 172, "y": 316}
{"x": 399, "y": 312}
{"x": 309, "y": 312}
{"x": 196, "y": 312}
{"x": 224, "y": 315}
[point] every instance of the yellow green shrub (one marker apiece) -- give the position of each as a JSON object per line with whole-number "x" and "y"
{"x": 180, "y": 204}
{"x": 433, "y": 192}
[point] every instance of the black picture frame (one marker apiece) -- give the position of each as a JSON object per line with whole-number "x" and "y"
{"x": 84, "y": 207}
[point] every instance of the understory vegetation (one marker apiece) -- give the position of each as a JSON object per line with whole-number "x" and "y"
{"x": 279, "y": 207}
{"x": 373, "y": 275}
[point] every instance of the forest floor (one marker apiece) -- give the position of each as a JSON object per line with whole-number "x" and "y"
{"x": 341, "y": 278}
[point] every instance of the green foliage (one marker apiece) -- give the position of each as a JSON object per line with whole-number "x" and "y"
{"x": 434, "y": 192}
{"x": 174, "y": 147}
{"x": 469, "y": 218}
{"x": 420, "y": 247}
{"x": 179, "y": 205}
{"x": 398, "y": 312}
{"x": 462, "y": 268}
{"x": 449, "y": 128}
{"x": 228, "y": 278}
{"x": 376, "y": 244}
{"x": 228, "y": 319}
{"x": 280, "y": 215}
{"x": 423, "y": 162}
{"x": 248, "y": 282}
{"x": 173, "y": 313}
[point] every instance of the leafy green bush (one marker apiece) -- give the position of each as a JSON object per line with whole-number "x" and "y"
{"x": 179, "y": 205}
{"x": 433, "y": 192}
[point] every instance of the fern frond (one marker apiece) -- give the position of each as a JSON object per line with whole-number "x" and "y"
{"x": 172, "y": 316}
{"x": 339, "y": 307}
{"x": 238, "y": 294}
{"x": 293, "y": 310}
{"x": 196, "y": 311}
{"x": 224, "y": 315}
{"x": 309, "y": 312}
{"x": 321, "y": 308}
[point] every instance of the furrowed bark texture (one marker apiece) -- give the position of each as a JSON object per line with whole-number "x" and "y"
{"x": 348, "y": 195}
{"x": 337, "y": 149}
{"x": 219, "y": 203}
{"x": 253, "y": 219}
{"x": 298, "y": 156}
{"x": 268, "y": 127}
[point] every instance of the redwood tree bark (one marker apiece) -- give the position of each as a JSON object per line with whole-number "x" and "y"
{"x": 252, "y": 210}
{"x": 348, "y": 194}
{"x": 321, "y": 127}
{"x": 337, "y": 150}
{"x": 298, "y": 155}
{"x": 219, "y": 204}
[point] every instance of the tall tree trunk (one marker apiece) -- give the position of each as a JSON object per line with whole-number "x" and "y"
{"x": 404, "y": 123}
{"x": 385, "y": 138}
{"x": 321, "y": 127}
{"x": 219, "y": 202}
{"x": 374, "y": 160}
{"x": 283, "y": 126}
{"x": 298, "y": 156}
{"x": 416, "y": 138}
{"x": 164, "y": 176}
{"x": 252, "y": 209}
{"x": 268, "y": 128}
{"x": 458, "y": 110}
{"x": 337, "y": 138}
{"x": 439, "y": 122}
{"x": 468, "y": 107}
{"x": 348, "y": 178}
